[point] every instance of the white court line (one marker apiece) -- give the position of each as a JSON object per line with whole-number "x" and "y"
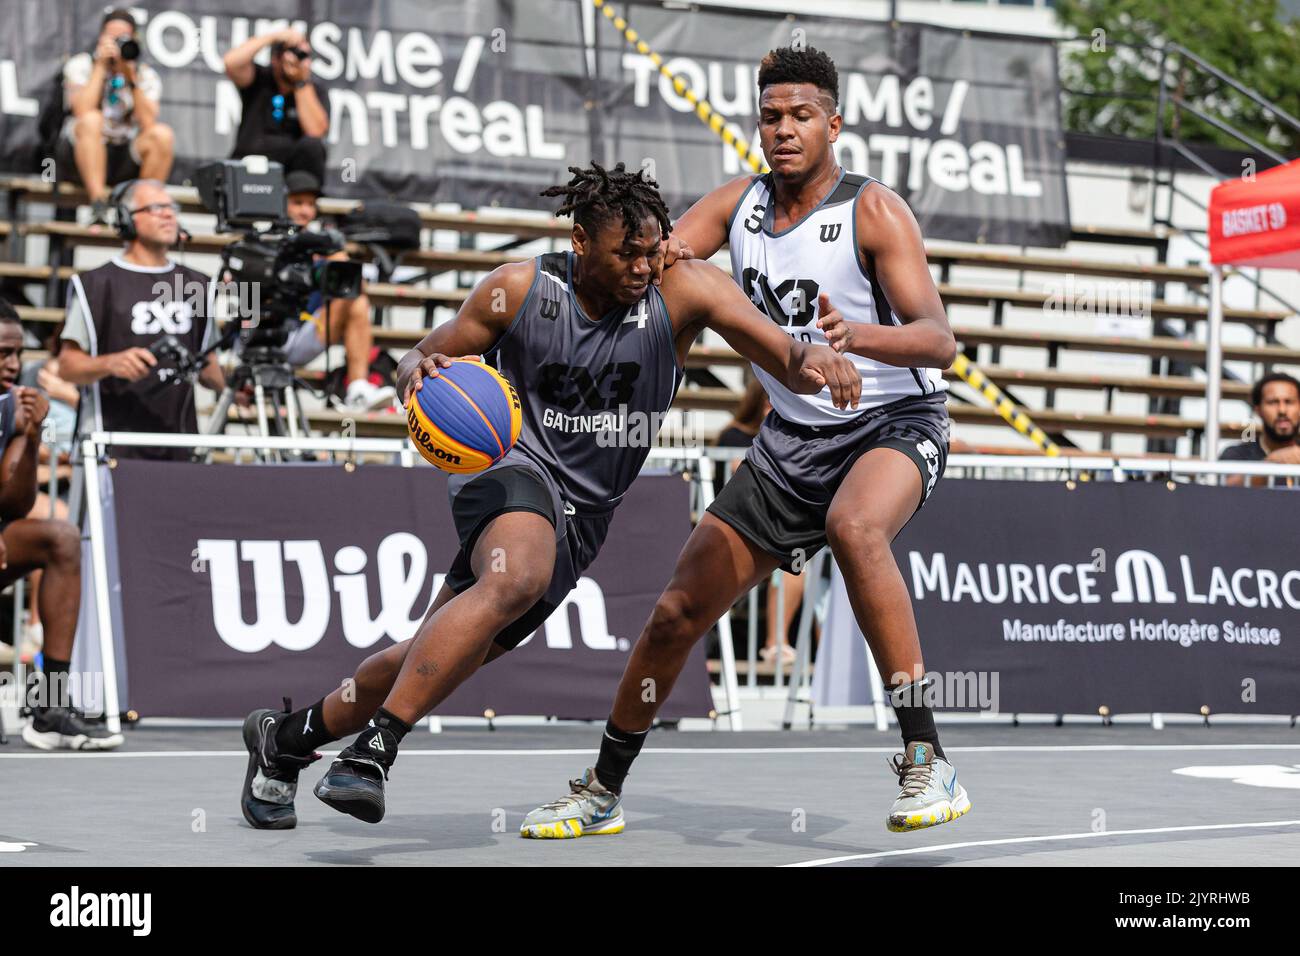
{"x": 675, "y": 751}
{"x": 1044, "y": 839}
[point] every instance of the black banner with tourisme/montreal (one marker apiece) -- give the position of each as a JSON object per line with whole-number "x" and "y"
{"x": 1127, "y": 595}
{"x": 241, "y": 585}
{"x": 487, "y": 103}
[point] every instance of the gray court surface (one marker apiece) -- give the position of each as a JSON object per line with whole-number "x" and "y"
{"x": 1042, "y": 796}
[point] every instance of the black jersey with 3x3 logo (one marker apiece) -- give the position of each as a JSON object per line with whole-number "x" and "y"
{"x": 593, "y": 389}
{"x": 129, "y": 306}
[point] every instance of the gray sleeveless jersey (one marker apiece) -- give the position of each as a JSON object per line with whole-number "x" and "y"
{"x": 593, "y": 392}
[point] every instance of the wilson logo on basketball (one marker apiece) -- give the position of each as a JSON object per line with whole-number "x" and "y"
{"x": 425, "y": 440}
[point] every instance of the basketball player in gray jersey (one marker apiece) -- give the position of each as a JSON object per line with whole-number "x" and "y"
{"x": 818, "y": 472}
{"x": 595, "y": 350}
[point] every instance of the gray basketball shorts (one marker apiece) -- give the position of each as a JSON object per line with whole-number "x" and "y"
{"x": 779, "y": 496}
{"x": 519, "y": 484}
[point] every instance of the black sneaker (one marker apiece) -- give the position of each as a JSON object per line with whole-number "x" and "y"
{"x": 271, "y": 781}
{"x": 65, "y": 728}
{"x": 354, "y": 784}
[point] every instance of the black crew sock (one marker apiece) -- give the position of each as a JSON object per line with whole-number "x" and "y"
{"x": 915, "y": 719}
{"x": 381, "y": 739}
{"x": 618, "y": 748}
{"x": 303, "y": 731}
{"x": 54, "y": 673}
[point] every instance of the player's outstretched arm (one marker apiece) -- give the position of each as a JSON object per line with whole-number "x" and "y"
{"x": 699, "y": 296}
{"x": 480, "y": 321}
{"x": 702, "y": 229}
{"x": 891, "y": 246}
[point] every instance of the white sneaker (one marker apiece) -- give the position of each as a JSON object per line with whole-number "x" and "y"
{"x": 930, "y": 793}
{"x": 587, "y": 809}
{"x": 364, "y": 396}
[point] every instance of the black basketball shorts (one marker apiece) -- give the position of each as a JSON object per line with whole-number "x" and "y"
{"x": 779, "y": 496}
{"x": 518, "y": 484}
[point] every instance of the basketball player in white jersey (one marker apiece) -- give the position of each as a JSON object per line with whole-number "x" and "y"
{"x": 816, "y": 474}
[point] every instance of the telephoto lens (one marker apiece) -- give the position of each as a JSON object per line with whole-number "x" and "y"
{"x": 128, "y": 48}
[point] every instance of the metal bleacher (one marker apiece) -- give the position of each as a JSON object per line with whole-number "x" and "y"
{"x": 1054, "y": 333}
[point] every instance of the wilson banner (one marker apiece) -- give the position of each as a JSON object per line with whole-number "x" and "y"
{"x": 242, "y": 585}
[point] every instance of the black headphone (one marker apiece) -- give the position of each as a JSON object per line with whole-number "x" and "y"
{"x": 122, "y": 220}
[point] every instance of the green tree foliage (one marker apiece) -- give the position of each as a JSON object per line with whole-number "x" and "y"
{"x": 1115, "y": 85}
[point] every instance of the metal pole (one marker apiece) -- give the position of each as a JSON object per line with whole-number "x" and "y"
{"x": 1213, "y": 366}
{"x": 99, "y": 568}
{"x": 730, "y": 687}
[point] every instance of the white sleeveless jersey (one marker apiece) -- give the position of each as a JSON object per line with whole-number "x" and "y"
{"x": 784, "y": 272}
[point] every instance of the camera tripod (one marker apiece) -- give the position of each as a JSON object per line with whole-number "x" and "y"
{"x": 275, "y": 397}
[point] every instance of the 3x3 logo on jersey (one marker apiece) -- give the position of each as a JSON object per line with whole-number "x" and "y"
{"x": 174, "y": 317}
{"x": 792, "y": 302}
{"x": 568, "y": 386}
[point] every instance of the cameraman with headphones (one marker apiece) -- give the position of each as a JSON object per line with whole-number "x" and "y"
{"x": 117, "y": 316}
{"x": 112, "y": 132}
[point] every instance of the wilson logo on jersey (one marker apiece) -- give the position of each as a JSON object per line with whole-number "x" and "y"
{"x": 567, "y": 386}
{"x": 550, "y": 309}
{"x": 830, "y": 232}
{"x": 755, "y": 221}
{"x": 792, "y": 302}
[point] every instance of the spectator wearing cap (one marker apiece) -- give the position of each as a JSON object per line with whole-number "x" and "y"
{"x": 284, "y": 117}
{"x": 348, "y": 319}
{"x": 1276, "y": 401}
{"x": 111, "y": 99}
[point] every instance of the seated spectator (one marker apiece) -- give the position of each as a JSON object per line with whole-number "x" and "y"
{"x": 51, "y": 546}
{"x": 112, "y": 132}
{"x": 747, "y": 418}
{"x": 1276, "y": 400}
{"x": 116, "y": 312}
{"x": 349, "y": 319}
{"x": 283, "y": 117}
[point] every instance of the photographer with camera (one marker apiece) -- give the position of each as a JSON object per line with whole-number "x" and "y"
{"x": 112, "y": 132}
{"x": 283, "y": 117}
{"x": 124, "y": 321}
{"x": 348, "y": 320}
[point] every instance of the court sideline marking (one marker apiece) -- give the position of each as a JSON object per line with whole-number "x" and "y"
{"x": 676, "y": 751}
{"x": 1090, "y": 835}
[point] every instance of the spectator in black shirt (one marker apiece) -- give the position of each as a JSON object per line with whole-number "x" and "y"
{"x": 1276, "y": 400}
{"x": 283, "y": 117}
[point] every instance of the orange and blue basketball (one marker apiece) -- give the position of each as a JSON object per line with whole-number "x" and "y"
{"x": 465, "y": 418}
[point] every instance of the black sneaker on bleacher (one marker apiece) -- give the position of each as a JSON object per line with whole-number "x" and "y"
{"x": 99, "y": 213}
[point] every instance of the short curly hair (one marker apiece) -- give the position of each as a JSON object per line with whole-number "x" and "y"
{"x": 808, "y": 65}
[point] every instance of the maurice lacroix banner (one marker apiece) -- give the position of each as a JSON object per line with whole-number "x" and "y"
{"x": 1125, "y": 595}
{"x": 241, "y": 585}
{"x": 489, "y": 102}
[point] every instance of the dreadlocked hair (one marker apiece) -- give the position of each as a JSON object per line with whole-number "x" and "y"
{"x": 595, "y": 196}
{"x": 809, "y": 65}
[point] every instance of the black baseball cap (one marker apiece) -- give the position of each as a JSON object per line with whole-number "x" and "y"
{"x": 301, "y": 181}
